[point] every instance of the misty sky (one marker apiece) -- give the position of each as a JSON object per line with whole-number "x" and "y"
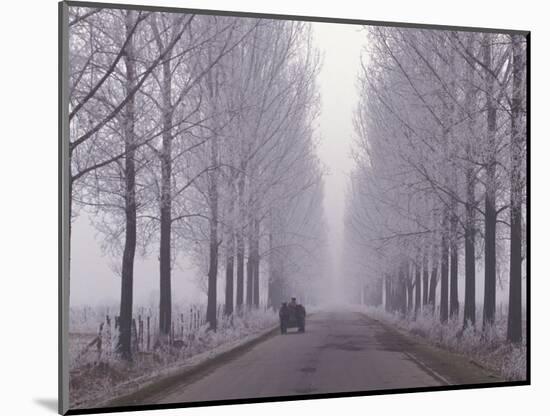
{"x": 340, "y": 47}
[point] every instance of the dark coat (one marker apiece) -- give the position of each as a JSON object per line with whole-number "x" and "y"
{"x": 284, "y": 312}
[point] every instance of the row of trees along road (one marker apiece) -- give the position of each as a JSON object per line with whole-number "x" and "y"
{"x": 192, "y": 135}
{"x": 440, "y": 171}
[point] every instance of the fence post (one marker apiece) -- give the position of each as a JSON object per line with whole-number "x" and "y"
{"x": 148, "y": 333}
{"x": 140, "y": 332}
{"x": 109, "y": 335}
{"x": 134, "y": 338}
{"x": 99, "y": 339}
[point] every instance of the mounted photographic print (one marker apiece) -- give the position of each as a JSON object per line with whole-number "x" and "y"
{"x": 266, "y": 207}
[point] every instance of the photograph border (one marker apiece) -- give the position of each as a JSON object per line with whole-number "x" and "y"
{"x": 63, "y": 203}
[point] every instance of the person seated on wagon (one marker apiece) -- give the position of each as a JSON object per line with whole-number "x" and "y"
{"x": 293, "y": 303}
{"x": 283, "y": 311}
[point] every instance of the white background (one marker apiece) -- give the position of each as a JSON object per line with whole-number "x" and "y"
{"x": 28, "y": 207}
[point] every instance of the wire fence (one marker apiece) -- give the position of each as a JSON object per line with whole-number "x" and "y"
{"x": 93, "y": 332}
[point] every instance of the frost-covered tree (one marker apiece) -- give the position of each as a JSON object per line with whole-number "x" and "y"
{"x": 434, "y": 124}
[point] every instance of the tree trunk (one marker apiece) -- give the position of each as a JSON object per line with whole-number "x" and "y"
{"x": 489, "y": 299}
{"x": 250, "y": 273}
{"x": 240, "y": 243}
{"x": 165, "y": 312}
{"x": 373, "y": 293}
{"x": 433, "y": 279}
{"x": 444, "y": 295}
{"x": 469, "y": 226}
{"x": 425, "y": 278}
{"x": 410, "y": 295}
{"x": 408, "y": 298}
{"x": 256, "y": 283}
{"x": 211, "y": 307}
{"x": 274, "y": 290}
{"x": 251, "y": 263}
{"x": 212, "y": 302}
{"x": 404, "y": 297}
{"x": 417, "y": 287}
{"x": 273, "y": 296}
{"x": 454, "y": 305}
{"x": 230, "y": 251}
{"x": 240, "y": 271}
{"x": 469, "y": 252}
{"x": 229, "y": 268}
{"x": 516, "y": 192}
{"x": 213, "y": 197}
{"x": 387, "y": 293}
{"x": 490, "y": 195}
{"x": 124, "y": 347}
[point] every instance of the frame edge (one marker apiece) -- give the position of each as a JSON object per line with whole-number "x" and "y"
{"x": 63, "y": 220}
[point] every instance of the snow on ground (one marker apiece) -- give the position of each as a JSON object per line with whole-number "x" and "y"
{"x": 97, "y": 375}
{"x": 488, "y": 348}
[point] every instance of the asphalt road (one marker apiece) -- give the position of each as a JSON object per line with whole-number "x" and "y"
{"x": 341, "y": 351}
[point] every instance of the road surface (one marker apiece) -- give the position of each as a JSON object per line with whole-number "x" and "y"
{"x": 341, "y": 351}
